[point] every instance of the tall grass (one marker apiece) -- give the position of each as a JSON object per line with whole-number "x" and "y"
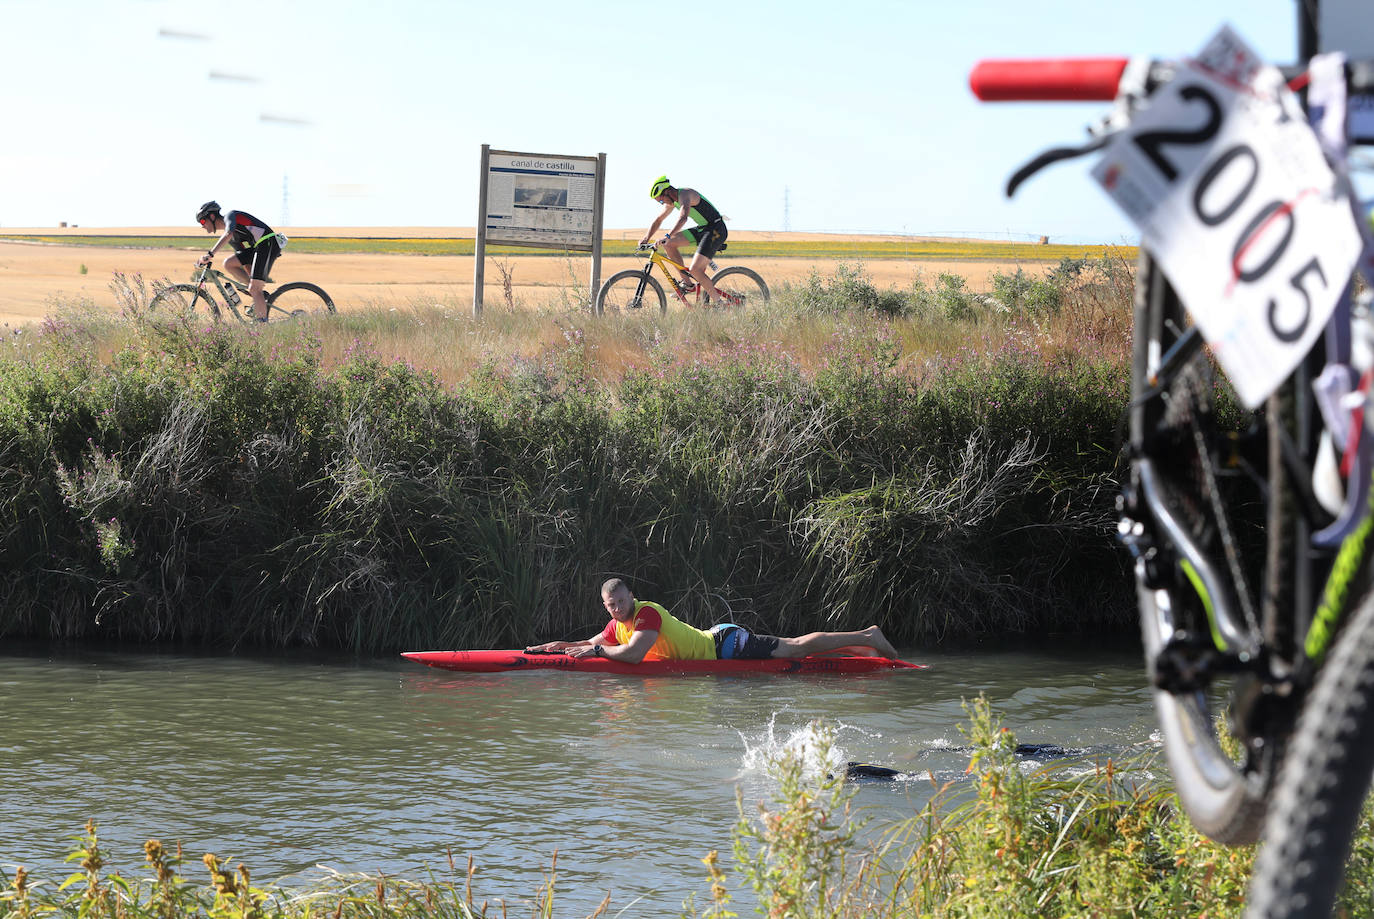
{"x": 165, "y": 891}
{"x": 792, "y": 468}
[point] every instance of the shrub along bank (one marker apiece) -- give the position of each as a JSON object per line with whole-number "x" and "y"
{"x": 211, "y": 486}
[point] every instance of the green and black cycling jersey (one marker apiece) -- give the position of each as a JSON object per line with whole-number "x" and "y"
{"x": 703, "y": 212}
{"x": 710, "y": 232}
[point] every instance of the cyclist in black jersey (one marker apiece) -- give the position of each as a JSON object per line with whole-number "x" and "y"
{"x": 256, "y": 247}
{"x": 708, "y": 233}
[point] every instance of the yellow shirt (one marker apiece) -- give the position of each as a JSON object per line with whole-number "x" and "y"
{"x": 677, "y": 641}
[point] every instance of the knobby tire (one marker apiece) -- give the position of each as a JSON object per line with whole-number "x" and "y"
{"x": 186, "y": 298}
{"x": 1325, "y": 778}
{"x": 620, "y": 293}
{"x": 297, "y": 298}
{"x": 743, "y": 282}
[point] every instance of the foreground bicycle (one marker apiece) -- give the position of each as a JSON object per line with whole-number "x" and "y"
{"x": 1248, "y": 505}
{"x": 636, "y": 288}
{"x": 297, "y": 298}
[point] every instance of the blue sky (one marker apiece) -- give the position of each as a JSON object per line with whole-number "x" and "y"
{"x": 810, "y": 116}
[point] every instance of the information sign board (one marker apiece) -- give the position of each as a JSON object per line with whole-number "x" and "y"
{"x": 540, "y": 200}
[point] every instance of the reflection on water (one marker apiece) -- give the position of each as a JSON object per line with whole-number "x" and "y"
{"x": 386, "y": 765}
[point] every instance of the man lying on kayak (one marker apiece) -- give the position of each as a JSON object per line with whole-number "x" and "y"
{"x": 640, "y": 630}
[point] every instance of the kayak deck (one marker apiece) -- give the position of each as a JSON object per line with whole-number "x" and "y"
{"x": 515, "y": 660}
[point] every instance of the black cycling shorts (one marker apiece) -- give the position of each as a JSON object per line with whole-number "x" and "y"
{"x": 734, "y": 643}
{"x": 709, "y": 237}
{"x": 258, "y": 260}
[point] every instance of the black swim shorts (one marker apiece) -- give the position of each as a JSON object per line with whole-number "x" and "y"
{"x": 734, "y": 643}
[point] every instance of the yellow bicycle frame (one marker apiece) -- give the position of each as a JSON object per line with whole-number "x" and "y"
{"x": 662, "y": 261}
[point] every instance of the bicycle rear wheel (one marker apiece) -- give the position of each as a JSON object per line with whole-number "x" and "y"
{"x": 741, "y": 283}
{"x": 299, "y": 298}
{"x": 630, "y": 290}
{"x": 1208, "y": 513}
{"x": 185, "y": 299}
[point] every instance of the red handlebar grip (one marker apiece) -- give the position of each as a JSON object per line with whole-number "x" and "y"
{"x": 1047, "y": 80}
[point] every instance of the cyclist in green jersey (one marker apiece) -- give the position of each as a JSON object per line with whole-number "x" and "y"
{"x": 708, "y": 232}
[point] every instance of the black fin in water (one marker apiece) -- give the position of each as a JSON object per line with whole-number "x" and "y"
{"x": 869, "y": 771}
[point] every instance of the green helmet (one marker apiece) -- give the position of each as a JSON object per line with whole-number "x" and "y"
{"x": 661, "y": 184}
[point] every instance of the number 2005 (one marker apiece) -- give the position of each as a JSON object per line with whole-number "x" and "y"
{"x": 1235, "y": 193}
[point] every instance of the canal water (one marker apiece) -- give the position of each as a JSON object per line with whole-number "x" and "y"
{"x": 289, "y": 764}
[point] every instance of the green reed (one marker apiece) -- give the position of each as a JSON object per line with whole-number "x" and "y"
{"x": 792, "y": 468}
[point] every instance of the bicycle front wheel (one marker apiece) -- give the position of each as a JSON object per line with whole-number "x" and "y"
{"x": 630, "y": 290}
{"x": 185, "y": 299}
{"x": 1325, "y": 778}
{"x": 741, "y": 286}
{"x": 299, "y": 298}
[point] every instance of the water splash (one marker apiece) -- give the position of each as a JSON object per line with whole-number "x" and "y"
{"x": 767, "y": 750}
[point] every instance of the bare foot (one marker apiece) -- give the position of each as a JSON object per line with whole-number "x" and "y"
{"x": 875, "y": 635}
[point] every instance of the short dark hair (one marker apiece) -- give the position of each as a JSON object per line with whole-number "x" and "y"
{"x": 615, "y": 584}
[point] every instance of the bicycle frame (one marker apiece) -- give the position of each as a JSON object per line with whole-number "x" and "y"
{"x": 657, "y": 258}
{"x": 224, "y": 281}
{"x": 219, "y": 278}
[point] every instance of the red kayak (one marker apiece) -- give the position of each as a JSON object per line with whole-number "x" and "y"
{"x": 498, "y": 661}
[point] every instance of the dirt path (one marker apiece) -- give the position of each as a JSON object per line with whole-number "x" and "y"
{"x": 37, "y": 280}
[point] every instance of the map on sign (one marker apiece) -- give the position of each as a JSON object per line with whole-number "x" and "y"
{"x": 1227, "y": 182}
{"x": 538, "y": 200}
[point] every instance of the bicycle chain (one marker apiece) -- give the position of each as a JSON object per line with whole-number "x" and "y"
{"x": 1228, "y": 541}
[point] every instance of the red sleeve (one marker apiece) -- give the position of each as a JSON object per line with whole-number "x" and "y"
{"x": 608, "y": 633}
{"x": 647, "y": 619}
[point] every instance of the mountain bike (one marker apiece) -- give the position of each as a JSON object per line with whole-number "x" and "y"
{"x": 636, "y": 288}
{"x": 1247, "y": 508}
{"x": 296, "y": 298}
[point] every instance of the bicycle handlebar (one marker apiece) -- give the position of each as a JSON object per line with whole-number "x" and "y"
{"x": 1088, "y": 79}
{"x": 1098, "y": 79}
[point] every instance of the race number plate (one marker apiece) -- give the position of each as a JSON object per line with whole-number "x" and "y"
{"x": 1227, "y": 183}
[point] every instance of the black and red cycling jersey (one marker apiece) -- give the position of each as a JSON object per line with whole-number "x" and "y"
{"x": 246, "y": 231}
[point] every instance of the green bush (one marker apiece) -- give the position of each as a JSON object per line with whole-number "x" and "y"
{"x": 851, "y": 289}
{"x": 210, "y": 486}
{"x": 1024, "y": 295}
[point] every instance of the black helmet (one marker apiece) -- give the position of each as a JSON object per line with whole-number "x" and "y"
{"x": 209, "y": 208}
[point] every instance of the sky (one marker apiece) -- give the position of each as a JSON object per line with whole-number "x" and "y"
{"x": 838, "y": 117}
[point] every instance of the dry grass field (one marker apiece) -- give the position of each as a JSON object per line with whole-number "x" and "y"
{"x": 41, "y": 278}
